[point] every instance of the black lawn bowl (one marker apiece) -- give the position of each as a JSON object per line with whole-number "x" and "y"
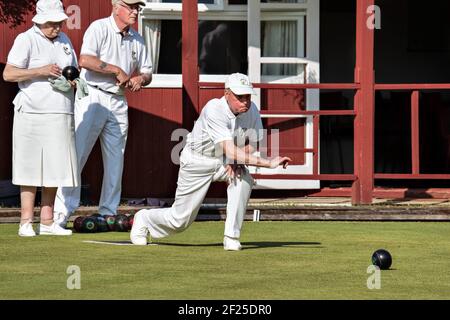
{"x": 70, "y": 73}
{"x": 102, "y": 225}
{"x": 89, "y": 225}
{"x": 121, "y": 224}
{"x": 78, "y": 224}
{"x": 111, "y": 222}
{"x": 382, "y": 259}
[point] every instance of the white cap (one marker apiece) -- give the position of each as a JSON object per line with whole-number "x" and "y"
{"x": 49, "y": 10}
{"x": 239, "y": 84}
{"x": 140, "y": 2}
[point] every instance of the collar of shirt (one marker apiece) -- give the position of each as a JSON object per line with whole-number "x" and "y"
{"x": 230, "y": 114}
{"x": 39, "y": 31}
{"x": 117, "y": 30}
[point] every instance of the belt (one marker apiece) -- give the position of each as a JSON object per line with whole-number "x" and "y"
{"x": 103, "y": 90}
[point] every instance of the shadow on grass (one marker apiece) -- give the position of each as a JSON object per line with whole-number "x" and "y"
{"x": 275, "y": 244}
{"x": 246, "y": 245}
{"x": 249, "y": 245}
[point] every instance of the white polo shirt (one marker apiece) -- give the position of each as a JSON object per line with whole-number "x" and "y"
{"x": 217, "y": 123}
{"x": 32, "y": 49}
{"x": 103, "y": 40}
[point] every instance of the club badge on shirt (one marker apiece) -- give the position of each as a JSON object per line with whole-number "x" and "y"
{"x": 67, "y": 50}
{"x": 134, "y": 55}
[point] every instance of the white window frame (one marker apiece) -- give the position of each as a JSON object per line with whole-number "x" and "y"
{"x": 223, "y": 11}
{"x": 202, "y": 7}
{"x": 221, "y": 5}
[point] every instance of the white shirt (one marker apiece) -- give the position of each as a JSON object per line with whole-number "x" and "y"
{"x": 103, "y": 40}
{"x": 217, "y": 123}
{"x": 32, "y": 49}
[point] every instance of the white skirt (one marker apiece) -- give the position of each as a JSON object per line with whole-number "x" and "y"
{"x": 44, "y": 153}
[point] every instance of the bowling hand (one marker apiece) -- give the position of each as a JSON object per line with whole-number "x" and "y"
{"x": 230, "y": 172}
{"x": 50, "y": 70}
{"x": 279, "y": 161}
{"x": 234, "y": 171}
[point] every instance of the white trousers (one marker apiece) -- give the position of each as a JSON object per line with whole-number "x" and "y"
{"x": 194, "y": 178}
{"x": 105, "y": 116}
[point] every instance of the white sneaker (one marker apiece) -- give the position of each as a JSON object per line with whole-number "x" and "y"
{"x": 231, "y": 244}
{"x": 26, "y": 230}
{"x": 54, "y": 229}
{"x": 60, "y": 219}
{"x": 139, "y": 231}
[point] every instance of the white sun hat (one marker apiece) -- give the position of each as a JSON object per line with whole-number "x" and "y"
{"x": 49, "y": 10}
{"x": 239, "y": 84}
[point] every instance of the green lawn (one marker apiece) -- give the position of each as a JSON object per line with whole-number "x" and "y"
{"x": 279, "y": 260}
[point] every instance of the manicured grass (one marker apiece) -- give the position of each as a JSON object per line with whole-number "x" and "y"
{"x": 280, "y": 260}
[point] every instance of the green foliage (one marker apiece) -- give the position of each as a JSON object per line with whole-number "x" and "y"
{"x": 14, "y": 12}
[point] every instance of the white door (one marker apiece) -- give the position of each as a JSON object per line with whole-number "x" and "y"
{"x": 267, "y": 59}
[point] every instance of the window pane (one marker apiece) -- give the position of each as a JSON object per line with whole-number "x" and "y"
{"x": 282, "y": 69}
{"x": 222, "y": 46}
{"x": 279, "y": 38}
{"x": 169, "y": 61}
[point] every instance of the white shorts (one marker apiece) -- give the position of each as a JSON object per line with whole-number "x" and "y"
{"x": 44, "y": 150}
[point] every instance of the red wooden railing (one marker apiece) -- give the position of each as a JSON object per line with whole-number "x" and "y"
{"x": 316, "y": 115}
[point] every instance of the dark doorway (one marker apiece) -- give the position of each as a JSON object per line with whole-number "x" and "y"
{"x": 412, "y": 46}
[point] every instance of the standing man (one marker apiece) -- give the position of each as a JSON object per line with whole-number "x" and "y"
{"x": 113, "y": 58}
{"x": 221, "y": 143}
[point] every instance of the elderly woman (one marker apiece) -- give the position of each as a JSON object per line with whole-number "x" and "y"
{"x": 43, "y": 132}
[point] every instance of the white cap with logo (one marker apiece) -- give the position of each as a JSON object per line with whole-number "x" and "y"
{"x": 49, "y": 11}
{"x": 239, "y": 84}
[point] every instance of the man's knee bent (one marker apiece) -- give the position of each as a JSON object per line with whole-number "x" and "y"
{"x": 180, "y": 224}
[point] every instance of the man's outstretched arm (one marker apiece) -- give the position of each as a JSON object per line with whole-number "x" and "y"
{"x": 239, "y": 155}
